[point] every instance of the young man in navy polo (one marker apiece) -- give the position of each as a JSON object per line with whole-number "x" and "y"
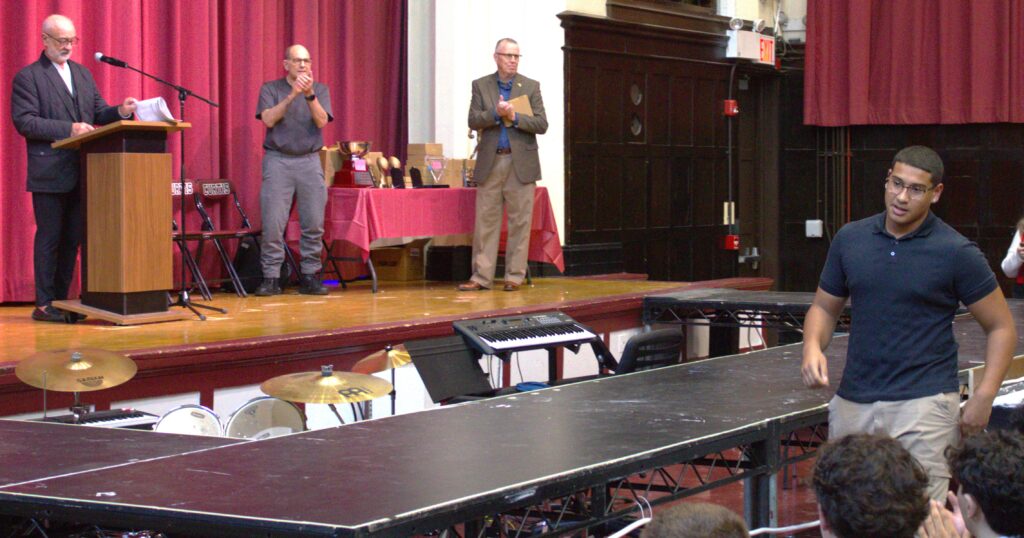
{"x": 905, "y": 272}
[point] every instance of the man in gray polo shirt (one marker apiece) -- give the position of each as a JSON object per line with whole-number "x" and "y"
{"x": 905, "y": 272}
{"x": 295, "y": 110}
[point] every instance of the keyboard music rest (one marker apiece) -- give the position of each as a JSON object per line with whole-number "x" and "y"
{"x": 113, "y": 418}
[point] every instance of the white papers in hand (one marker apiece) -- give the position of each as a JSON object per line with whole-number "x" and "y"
{"x": 154, "y": 109}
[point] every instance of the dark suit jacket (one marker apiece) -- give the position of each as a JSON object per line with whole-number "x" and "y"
{"x": 523, "y": 138}
{"x": 43, "y": 111}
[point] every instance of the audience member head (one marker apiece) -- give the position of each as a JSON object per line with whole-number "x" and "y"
{"x": 695, "y": 520}
{"x": 990, "y": 469}
{"x": 869, "y": 485}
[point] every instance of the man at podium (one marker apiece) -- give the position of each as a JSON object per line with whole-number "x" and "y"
{"x": 54, "y": 98}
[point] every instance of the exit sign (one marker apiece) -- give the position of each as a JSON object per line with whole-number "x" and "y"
{"x": 767, "y": 50}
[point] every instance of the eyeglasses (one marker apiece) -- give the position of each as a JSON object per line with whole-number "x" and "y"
{"x": 508, "y": 56}
{"x": 300, "y": 61}
{"x": 896, "y": 185}
{"x": 63, "y": 41}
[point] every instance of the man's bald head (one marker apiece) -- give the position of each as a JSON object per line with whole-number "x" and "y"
{"x": 297, "y": 61}
{"x": 57, "y": 22}
{"x": 59, "y": 38}
{"x": 295, "y": 51}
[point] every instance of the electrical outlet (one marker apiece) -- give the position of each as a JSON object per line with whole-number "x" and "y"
{"x": 814, "y": 228}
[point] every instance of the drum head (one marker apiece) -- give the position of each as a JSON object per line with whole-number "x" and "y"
{"x": 265, "y": 417}
{"x": 190, "y": 420}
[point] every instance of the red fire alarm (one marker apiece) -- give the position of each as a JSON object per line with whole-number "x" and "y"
{"x": 731, "y": 242}
{"x": 732, "y": 107}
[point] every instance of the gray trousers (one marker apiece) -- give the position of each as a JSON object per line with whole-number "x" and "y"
{"x": 286, "y": 177}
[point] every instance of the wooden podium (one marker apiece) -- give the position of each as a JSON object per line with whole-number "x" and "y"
{"x": 127, "y": 264}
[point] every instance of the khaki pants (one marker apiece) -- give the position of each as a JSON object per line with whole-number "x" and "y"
{"x": 502, "y": 188}
{"x": 924, "y": 426}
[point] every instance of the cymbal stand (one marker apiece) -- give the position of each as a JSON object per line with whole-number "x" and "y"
{"x": 336, "y": 413}
{"x": 394, "y": 391}
{"x": 78, "y": 409}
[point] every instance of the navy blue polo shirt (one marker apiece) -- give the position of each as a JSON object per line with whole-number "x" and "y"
{"x": 903, "y": 296}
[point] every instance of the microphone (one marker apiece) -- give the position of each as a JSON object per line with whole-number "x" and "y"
{"x": 108, "y": 60}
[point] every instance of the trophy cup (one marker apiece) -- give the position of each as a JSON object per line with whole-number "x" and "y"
{"x": 354, "y": 172}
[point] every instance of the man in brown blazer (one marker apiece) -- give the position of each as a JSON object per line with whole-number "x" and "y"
{"x": 507, "y": 167}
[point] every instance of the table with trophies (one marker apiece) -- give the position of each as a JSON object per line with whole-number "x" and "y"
{"x": 368, "y": 205}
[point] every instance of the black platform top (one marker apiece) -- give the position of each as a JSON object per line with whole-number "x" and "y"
{"x": 374, "y": 475}
{"x": 729, "y": 299}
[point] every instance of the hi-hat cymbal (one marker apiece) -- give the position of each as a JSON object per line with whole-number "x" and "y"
{"x": 384, "y": 359}
{"x": 75, "y": 370}
{"x": 326, "y": 387}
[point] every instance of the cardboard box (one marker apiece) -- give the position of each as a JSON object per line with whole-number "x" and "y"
{"x": 400, "y": 263}
{"x": 453, "y": 171}
{"x": 331, "y": 160}
{"x": 432, "y": 148}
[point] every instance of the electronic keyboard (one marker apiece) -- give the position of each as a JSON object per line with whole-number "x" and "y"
{"x": 504, "y": 335}
{"x": 114, "y": 418}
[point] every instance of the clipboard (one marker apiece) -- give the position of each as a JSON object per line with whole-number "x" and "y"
{"x": 521, "y": 105}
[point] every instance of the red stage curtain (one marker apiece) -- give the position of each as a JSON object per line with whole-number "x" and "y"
{"x": 889, "y": 62}
{"x": 222, "y": 50}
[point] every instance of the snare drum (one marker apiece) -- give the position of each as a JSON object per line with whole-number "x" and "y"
{"x": 190, "y": 419}
{"x": 264, "y": 417}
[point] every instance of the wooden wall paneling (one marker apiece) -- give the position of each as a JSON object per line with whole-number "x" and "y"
{"x": 661, "y": 191}
{"x": 658, "y": 189}
{"x": 682, "y": 111}
{"x": 609, "y": 188}
{"x": 581, "y": 104}
{"x": 682, "y": 189}
{"x": 658, "y": 106}
{"x": 634, "y": 196}
{"x": 581, "y": 190}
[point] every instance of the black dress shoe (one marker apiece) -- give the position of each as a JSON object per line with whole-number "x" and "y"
{"x": 310, "y": 285}
{"x": 48, "y": 313}
{"x": 269, "y": 286}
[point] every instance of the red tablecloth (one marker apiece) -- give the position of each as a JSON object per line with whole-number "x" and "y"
{"x": 360, "y": 216}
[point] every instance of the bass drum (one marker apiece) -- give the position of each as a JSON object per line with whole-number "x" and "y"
{"x": 190, "y": 420}
{"x": 265, "y": 417}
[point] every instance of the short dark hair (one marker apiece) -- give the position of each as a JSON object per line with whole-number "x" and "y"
{"x": 869, "y": 485}
{"x": 696, "y": 520}
{"x": 990, "y": 467}
{"x": 504, "y": 40}
{"x": 924, "y": 158}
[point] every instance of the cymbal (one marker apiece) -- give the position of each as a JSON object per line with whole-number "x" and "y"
{"x": 384, "y": 359}
{"x": 326, "y": 387}
{"x": 75, "y": 370}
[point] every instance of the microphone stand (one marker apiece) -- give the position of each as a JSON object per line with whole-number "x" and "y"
{"x": 183, "y": 93}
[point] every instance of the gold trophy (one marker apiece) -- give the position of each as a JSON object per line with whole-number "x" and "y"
{"x": 354, "y": 172}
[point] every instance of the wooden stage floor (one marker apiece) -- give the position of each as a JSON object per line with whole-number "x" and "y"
{"x": 260, "y": 337}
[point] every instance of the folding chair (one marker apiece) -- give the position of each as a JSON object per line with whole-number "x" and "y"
{"x": 182, "y": 241}
{"x": 211, "y": 192}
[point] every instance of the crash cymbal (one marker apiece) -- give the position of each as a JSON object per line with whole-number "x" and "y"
{"x": 326, "y": 387}
{"x": 384, "y": 359}
{"x": 75, "y": 370}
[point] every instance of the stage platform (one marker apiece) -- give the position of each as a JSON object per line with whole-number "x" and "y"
{"x": 260, "y": 338}
{"x": 558, "y": 460}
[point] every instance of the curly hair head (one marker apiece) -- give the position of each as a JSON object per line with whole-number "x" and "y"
{"x": 990, "y": 467}
{"x": 696, "y": 520}
{"x": 869, "y": 485}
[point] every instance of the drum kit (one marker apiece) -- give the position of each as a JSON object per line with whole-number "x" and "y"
{"x": 84, "y": 370}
